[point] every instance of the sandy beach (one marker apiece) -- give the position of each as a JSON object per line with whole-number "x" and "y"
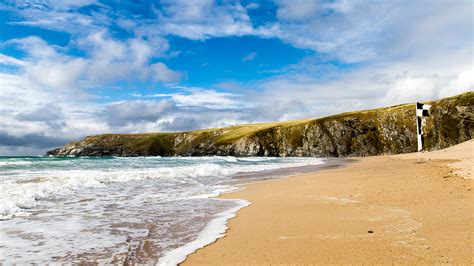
{"x": 385, "y": 209}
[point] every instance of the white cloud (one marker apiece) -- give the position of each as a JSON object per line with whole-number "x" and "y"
{"x": 350, "y": 31}
{"x": 46, "y": 98}
{"x": 66, "y": 4}
{"x": 366, "y": 88}
{"x": 183, "y": 10}
{"x": 37, "y": 116}
{"x": 341, "y": 6}
{"x": 463, "y": 82}
{"x": 104, "y": 48}
{"x": 126, "y": 112}
{"x": 112, "y": 59}
{"x": 252, "y": 6}
{"x": 52, "y": 4}
{"x": 374, "y": 31}
{"x": 199, "y": 20}
{"x": 410, "y": 89}
{"x": 187, "y": 97}
{"x": 402, "y": 51}
{"x": 296, "y": 9}
{"x": 197, "y": 97}
{"x": 161, "y": 73}
{"x": 249, "y": 57}
{"x": 108, "y": 60}
{"x": 11, "y": 61}
{"x": 36, "y": 47}
{"x": 61, "y": 19}
{"x": 57, "y": 74}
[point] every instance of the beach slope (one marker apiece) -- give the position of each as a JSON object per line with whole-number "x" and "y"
{"x": 384, "y": 209}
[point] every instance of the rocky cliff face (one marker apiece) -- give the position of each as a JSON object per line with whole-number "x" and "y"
{"x": 388, "y": 130}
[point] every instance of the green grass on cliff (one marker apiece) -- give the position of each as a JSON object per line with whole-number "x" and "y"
{"x": 237, "y": 132}
{"x": 161, "y": 142}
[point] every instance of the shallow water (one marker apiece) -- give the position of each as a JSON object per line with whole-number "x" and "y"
{"x": 113, "y": 210}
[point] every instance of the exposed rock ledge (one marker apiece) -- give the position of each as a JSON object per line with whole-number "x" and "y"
{"x": 388, "y": 130}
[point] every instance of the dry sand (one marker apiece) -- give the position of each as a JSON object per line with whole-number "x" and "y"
{"x": 386, "y": 209}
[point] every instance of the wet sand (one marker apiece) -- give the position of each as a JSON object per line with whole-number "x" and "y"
{"x": 385, "y": 209}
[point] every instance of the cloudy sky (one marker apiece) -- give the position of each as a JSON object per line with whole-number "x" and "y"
{"x": 71, "y": 68}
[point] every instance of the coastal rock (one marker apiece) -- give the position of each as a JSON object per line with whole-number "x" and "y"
{"x": 388, "y": 130}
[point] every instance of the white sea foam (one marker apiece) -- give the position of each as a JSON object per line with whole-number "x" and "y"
{"x": 18, "y": 194}
{"x": 214, "y": 230}
{"x": 114, "y": 199}
{"x": 15, "y": 163}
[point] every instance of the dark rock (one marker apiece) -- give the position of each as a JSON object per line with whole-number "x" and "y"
{"x": 380, "y": 131}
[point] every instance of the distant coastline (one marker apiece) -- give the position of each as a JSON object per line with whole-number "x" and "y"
{"x": 389, "y": 130}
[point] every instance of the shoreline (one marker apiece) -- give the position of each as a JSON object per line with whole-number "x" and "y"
{"x": 217, "y": 227}
{"x": 355, "y": 214}
{"x": 214, "y": 229}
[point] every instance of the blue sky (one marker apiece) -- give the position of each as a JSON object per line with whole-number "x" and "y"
{"x": 71, "y": 68}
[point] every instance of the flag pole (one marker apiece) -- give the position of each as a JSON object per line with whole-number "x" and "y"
{"x": 421, "y": 111}
{"x": 418, "y": 127}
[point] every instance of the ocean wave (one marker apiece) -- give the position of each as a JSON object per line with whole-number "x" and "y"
{"x": 21, "y": 193}
{"x": 15, "y": 163}
{"x": 174, "y": 194}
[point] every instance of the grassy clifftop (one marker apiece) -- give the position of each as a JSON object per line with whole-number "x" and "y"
{"x": 369, "y": 132}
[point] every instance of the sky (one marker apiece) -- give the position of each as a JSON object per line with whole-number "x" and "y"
{"x": 73, "y": 68}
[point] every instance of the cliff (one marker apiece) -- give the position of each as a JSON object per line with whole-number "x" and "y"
{"x": 387, "y": 130}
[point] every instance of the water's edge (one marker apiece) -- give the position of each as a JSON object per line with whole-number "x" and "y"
{"x": 140, "y": 210}
{"x": 217, "y": 227}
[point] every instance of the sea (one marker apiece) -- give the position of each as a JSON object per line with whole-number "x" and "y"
{"x": 117, "y": 210}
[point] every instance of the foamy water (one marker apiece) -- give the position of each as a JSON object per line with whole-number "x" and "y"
{"x": 115, "y": 210}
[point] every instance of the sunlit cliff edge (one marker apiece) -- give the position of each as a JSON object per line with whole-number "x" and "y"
{"x": 389, "y": 130}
